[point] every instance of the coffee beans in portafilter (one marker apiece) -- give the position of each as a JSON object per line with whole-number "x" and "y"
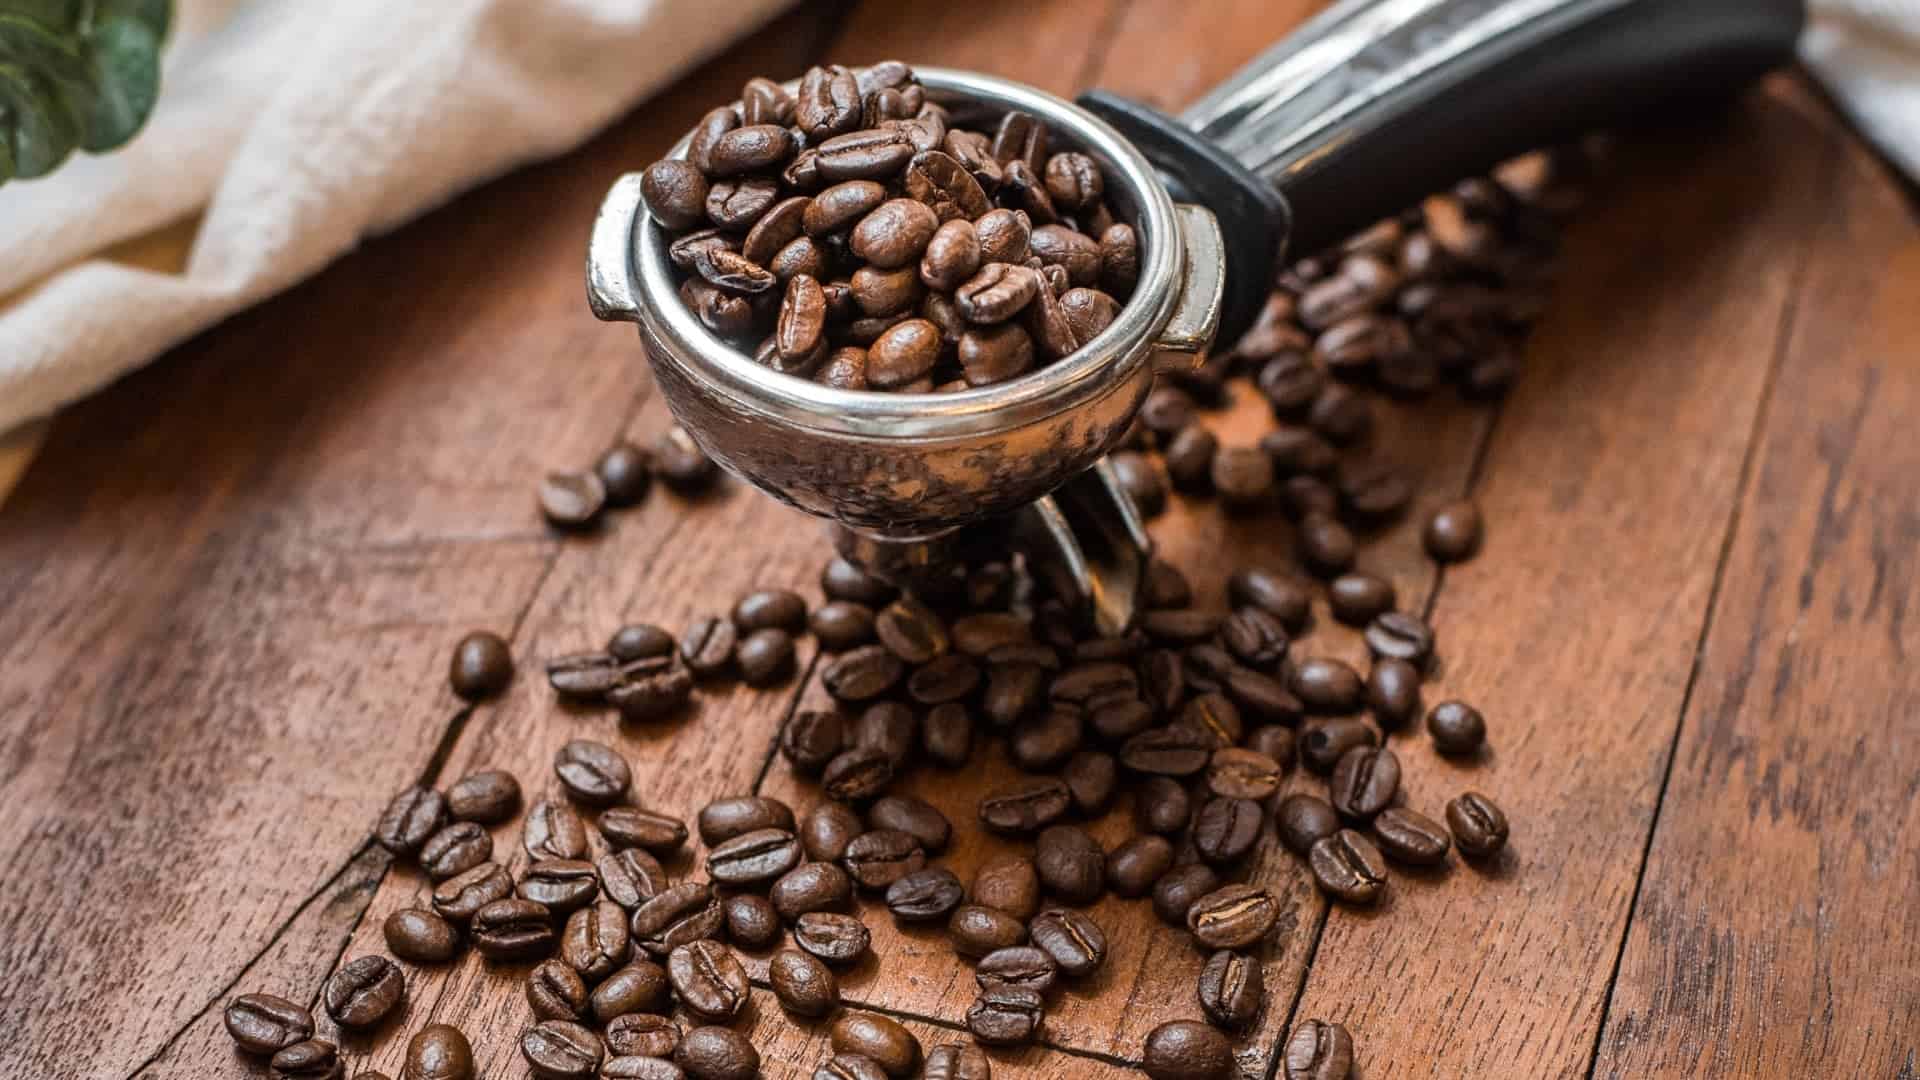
{"x": 855, "y": 235}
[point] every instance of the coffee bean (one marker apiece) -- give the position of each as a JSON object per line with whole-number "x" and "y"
{"x": 1373, "y": 493}
{"x": 1242, "y": 476}
{"x": 561, "y": 1050}
{"x": 364, "y": 991}
{"x": 1323, "y": 744}
{"x": 513, "y": 929}
{"x": 889, "y": 728}
{"x": 1263, "y": 697}
{"x": 1017, "y": 965}
{"x": 1005, "y": 1015}
{"x": 1179, "y": 626}
{"x": 1457, "y": 728}
{"x": 596, "y": 941}
{"x": 1225, "y": 829}
{"x": 1008, "y": 883}
{"x": 592, "y": 772}
{"x": 631, "y": 826}
{"x": 1091, "y": 778}
{"x": 1243, "y": 774}
{"x": 640, "y": 986}
{"x": 834, "y": 938}
{"x": 873, "y": 154}
{"x": 754, "y": 857}
{"x": 439, "y": 1052}
{"x": 489, "y": 797}
{"x": 809, "y": 887}
{"x": 850, "y": 1067}
{"x": 642, "y": 1034}
{"x": 1453, "y": 532}
{"x": 1275, "y": 742}
{"x": 1189, "y": 458}
{"x": 1013, "y": 690}
{"x": 1479, "y": 827}
{"x": 421, "y": 936}
{"x": 707, "y": 648}
{"x": 1139, "y": 862}
{"x": 314, "y": 1059}
{"x": 410, "y": 820}
{"x": 1255, "y": 637}
{"x": 1074, "y": 251}
{"x": 1297, "y": 451}
{"x": 1085, "y": 681}
{"x": 264, "y": 1023}
{"x": 1348, "y": 866}
{"x": 573, "y": 500}
{"x": 1028, "y": 806}
{"x": 1231, "y": 988}
{"x": 1393, "y": 692}
{"x": 630, "y": 877}
{"x": 1400, "y": 636}
{"x": 947, "y": 735}
{"x": 1233, "y": 916}
{"x": 1119, "y": 717}
{"x": 650, "y": 689}
{"x": 802, "y": 983}
{"x": 977, "y": 929}
{"x": 1410, "y": 837}
{"x": 877, "y": 859}
{"x": 1319, "y": 1051}
{"x": 1044, "y": 743}
{"x": 1169, "y": 751}
{"x": 915, "y": 816}
{"x": 625, "y": 470}
{"x": 1303, "y": 820}
{"x": 708, "y": 979}
{"x": 638, "y": 1067}
{"x": 1177, "y": 890}
{"x": 1161, "y": 805}
{"x": 1356, "y": 599}
{"x": 1215, "y": 717}
{"x": 1072, "y": 939}
{"x": 556, "y": 992}
{"x": 1071, "y": 864}
{"x": 957, "y": 1061}
{"x": 1187, "y": 1050}
{"x": 723, "y": 819}
{"x": 685, "y": 913}
{"x": 827, "y": 830}
{"x": 862, "y": 674}
{"x": 840, "y": 625}
{"x": 716, "y": 1053}
{"x": 911, "y": 631}
{"x": 924, "y": 895}
{"x": 561, "y": 885}
{"x": 1326, "y": 685}
{"x": 1310, "y": 501}
{"x": 872, "y": 1035}
{"x": 455, "y": 849}
{"x": 1088, "y": 312}
{"x": 895, "y": 233}
{"x": 842, "y": 580}
{"x": 1364, "y": 781}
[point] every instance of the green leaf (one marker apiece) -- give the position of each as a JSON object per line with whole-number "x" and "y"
{"x": 124, "y": 60}
{"x": 37, "y": 126}
{"x": 78, "y": 73}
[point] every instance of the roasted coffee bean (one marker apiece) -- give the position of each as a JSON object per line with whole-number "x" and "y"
{"x": 842, "y": 580}
{"x": 1013, "y": 690}
{"x": 489, "y": 797}
{"x": 915, "y": 816}
{"x": 439, "y": 1052}
{"x": 827, "y": 103}
{"x": 850, "y": 1067}
{"x": 1207, "y": 667}
{"x": 1085, "y": 681}
{"x": 1242, "y": 476}
{"x": 685, "y": 913}
{"x": 708, "y": 979}
{"x": 631, "y": 826}
{"x": 482, "y": 665}
{"x": 1255, "y": 637}
{"x": 945, "y": 186}
{"x": 1410, "y": 837}
{"x": 947, "y": 734}
{"x": 840, "y": 625}
{"x": 872, "y": 1035}
{"x": 873, "y": 154}
{"x": 1319, "y": 1051}
{"x": 857, "y": 774}
{"x": 1138, "y": 863}
{"x": 717, "y": 1053}
{"x": 1017, "y": 965}
{"x": 569, "y": 500}
{"x": 895, "y": 233}
{"x": 1177, "y": 890}
{"x": 1393, "y": 692}
{"x": 1140, "y": 479}
{"x": 1179, "y": 750}
{"x": 1457, "y": 728}
{"x": 833, "y": 937}
{"x": 996, "y": 293}
{"x": 1073, "y": 180}
{"x": 775, "y": 609}
{"x": 265, "y": 1024}
{"x": 802, "y": 982}
{"x": 812, "y": 739}
{"x": 410, "y": 820}
{"x": 880, "y": 857}
{"x": 561, "y": 885}
{"x": 1282, "y": 597}
{"x": 912, "y": 632}
{"x": 1290, "y": 381}
{"x": 809, "y": 887}
{"x": 463, "y": 894}
{"x": 1005, "y": 236}
{"x": 1322, "y": 744}
{"x": 925, "y": 895}
{"x": 651, "y": 688}
{"x": 1215, "y": 716}
{"x": 947, "y": 678}
{"x": 556, "y": 992}
{"x": 596, "y": 941}
{"x": 636, "y": 1067}
{"x": 455, "y": 849}
{"x": 1119, "y": 717}
{"x": 723, "y": 819}
{"x": 863, "y": 674}
{"x": 1072, "y": 939}
{"x": 977, "y": 930}
{"x": 1225, "y": 829}
{"x": 1005, "y": 1015}
{"x": 1021, "y": 137}
{"x": 707, "y": 648}
{"x": 1326, "y": 685}
{"x": 957, "y": 1061}
{"x": 1400, "y": 636}
{"x": 421, "y": 936}
{"x": 1028, "y": 806}
{"x": 1071, "y": 864}
{"x": 1373, "y": 493}
{"x": 1179, "y": 626}
{"x": 1161, "y": 806}
{"x": 1091, "y": 778}
{"x": 640, "y": 986}
{"x": 630, "y": 877}
{"x": 1244, "y": 774}
{"x": 561, "y": 1050}
{"x": 981, "y": 632}
{"x": 1453, "y": 532}
{"x": 1009, "y": 884}
{"x": 1233, "y": 916}
{"x": 1326, "y": 546}
{"x": 888, "y": 727}
{"x": 1347, "y": 865}
{"x": 827, "y": 830}
{"x": 1303, "y": 820}
{"x": 1296, "y": 451}
{"x": 643, "y": 1034}
{"x": 1356, "y": 599}
{"x": 1263, "y": 697}
{"x": 1075, "y": 252}
{"x": 1188, "y": 458}
{"x": 592, "y": 772}
{"x": 680, "y": 463}
{"x": 1364, "y": 781}
{"x": 313, "y": 1059}
{"x": 675, "y": 193}
{"x": 1088, "y": 312}
{"x": 1044, "y": 743}
{"x": 513, "y": 929}
{"x": 1187, "y": 1050}
{"x": 1479, "y": 827}
{"x": 781, "y": 225}
{"x": 1231, "y": 988}
{"x": 1275, "y": 742}
{"x": 364, "y": 991}
{"x": 766, "y": 657}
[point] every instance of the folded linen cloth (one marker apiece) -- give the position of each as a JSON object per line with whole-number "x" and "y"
{"x": 296, "y": 128}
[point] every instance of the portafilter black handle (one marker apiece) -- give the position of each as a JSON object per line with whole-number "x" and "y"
{"x": 1376, "y": 103}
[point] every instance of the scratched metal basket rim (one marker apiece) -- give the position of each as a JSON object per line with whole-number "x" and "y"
{"x": 674, "y": 334}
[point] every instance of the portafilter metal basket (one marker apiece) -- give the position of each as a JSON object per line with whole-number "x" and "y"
{"x": 1365, "y": 109}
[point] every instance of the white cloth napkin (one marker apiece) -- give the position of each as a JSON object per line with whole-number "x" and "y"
{"x": 296, "y": 128}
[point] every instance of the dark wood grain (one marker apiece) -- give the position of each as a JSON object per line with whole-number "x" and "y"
{"x": 1775, "y": 933}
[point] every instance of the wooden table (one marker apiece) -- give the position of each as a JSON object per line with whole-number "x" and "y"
{"x": 229, "y": 585}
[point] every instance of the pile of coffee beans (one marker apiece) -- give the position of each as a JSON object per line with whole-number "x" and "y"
{"x": 858, "y": 234}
